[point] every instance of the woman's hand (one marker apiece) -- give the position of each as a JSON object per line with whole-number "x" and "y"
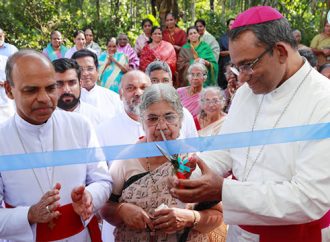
{"x": 170, "y": 220}
{"x": 134, "y": 216}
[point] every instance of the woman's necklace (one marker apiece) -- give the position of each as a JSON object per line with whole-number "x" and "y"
{"x": 50, "y": 180}
{"x": 247, "y": 172}
{"x": 154, "y": 186}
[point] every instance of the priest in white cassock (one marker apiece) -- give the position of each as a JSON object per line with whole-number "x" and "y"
{"x": 50, "y": 203}
{"x": 102, "y": 98}
{"x": 7, "y": 107}
{"x": 67, "y": 76}
{"x": 281, "y": 192}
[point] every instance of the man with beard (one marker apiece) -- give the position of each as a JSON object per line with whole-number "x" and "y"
{"x": 67, "y": 76}
{"x": 105, "y": 100}
{"x": 125, "y": 127}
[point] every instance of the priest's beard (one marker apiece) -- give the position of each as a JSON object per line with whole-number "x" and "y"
{"x": 68, "y": 106}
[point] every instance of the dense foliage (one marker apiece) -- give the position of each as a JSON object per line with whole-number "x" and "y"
{"x": 28, "y": 23}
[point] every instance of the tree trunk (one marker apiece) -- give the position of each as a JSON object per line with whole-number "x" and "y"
{"x": 212, "y": 5}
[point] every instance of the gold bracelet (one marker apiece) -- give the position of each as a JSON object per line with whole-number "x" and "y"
{"x": 119, "y": 208}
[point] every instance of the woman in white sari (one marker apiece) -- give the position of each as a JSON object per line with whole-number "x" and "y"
{"x": 211, "y": 116}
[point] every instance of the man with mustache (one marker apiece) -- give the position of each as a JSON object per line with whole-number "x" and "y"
{"x": 47, "y": 203}
{"x": 67, "y": 76}
{"x": 102, "y": 98}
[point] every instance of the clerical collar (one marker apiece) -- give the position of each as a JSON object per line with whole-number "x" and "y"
{"x": 23, "y": 124}
{"x": 290, "y": 84}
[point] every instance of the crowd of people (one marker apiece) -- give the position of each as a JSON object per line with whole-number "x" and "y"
{"x": 169, "y": 85}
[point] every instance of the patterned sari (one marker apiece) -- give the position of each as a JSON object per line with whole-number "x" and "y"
{"x": 179, "y": 37}
{"x": 163, "y": 52}
{"x": 187, "y": 56}
{"x": 149, "y": 191}
{"x": 110, "y": 76}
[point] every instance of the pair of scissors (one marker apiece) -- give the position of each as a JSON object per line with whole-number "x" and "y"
{"x": 176, "y": 161}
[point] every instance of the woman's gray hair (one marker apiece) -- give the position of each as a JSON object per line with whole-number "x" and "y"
{"x": 158, "y": 93}
{"x": 198, "y": 65}
{"x": 220, "y": 93}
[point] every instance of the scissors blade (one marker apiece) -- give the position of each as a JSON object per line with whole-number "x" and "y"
{"x": 164, "y": 153}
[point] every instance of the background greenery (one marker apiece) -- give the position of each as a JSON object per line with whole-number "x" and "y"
{"x": 28, "y": 23}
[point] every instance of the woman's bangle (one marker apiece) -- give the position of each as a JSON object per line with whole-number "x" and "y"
{"x": 119, "y": 208}
{"x": 195, "y": 219}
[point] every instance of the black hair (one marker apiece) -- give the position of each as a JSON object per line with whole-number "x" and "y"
{"x": 153, "y": 30}
{"x": 63, "y": 64}
{"x": 324, "y": 66}
{"x": 309, "y": 55}
{"x": 75, "y": 34}
{"x": 202, "y": 21}
{"x": 268, "y": 33}
{"x": 190, "y": 28}
{"x": 85, "y": 53}
{"x": 146, "y": 20}
{"x": 228, "y": 21}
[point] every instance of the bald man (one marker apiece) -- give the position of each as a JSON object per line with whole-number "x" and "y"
{"x": 51, "y": 203}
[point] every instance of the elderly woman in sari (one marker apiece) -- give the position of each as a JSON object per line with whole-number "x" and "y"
{"x": 209, "y": 120}
{"x": 143, "y": 38}
{"x": 124, "y": 47}
{"x": 157, "y": 49}
{"x": 190, "y": 95}
{"x": 141, "y": 206}
{"x": 197, "y": 51}
{"x": 112, "y": 66}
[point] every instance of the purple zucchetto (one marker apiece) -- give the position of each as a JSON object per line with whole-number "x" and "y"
{"x": 256, "y": 15}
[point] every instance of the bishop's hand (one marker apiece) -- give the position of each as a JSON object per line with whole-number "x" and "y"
{"x": 45, "y": 210}
{"x": 82, "y": 202}
{"x": 208, "y": 187}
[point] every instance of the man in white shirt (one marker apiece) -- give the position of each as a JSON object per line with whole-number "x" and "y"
{"x": 6, "y": 49}
{"x": 102, "y": 98}
{"x": 7, "y": 108}
{"x": 160, "y": 72}
{"x": 50, "y": 203}
{"x": 281, "y": 192}
{"x": 67, "y": 76}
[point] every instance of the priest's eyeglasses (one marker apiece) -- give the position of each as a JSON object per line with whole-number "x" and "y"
{"x": 89, "y": 69}
{"x": 153, "y": 120}
{"x": 248, "y": 68}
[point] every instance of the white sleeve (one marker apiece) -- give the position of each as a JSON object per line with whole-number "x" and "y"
{"x": 304, "y": 198}
{"x": 188, "y": 129}
{"x": 98, "y": 180}
{"x": 14, "y": 224}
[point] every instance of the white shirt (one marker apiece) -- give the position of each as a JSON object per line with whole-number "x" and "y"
{"x": 290, "y": 182}
{"x": 7, "y": 108}
{"x": 105, "y": 100}
{"x": 92, "y": 114}
{"x": 21, "y": 188}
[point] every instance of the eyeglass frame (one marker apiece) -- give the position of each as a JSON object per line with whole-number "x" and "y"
{"x": 163, "y": 117}
{"x": 249, "y": 67}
